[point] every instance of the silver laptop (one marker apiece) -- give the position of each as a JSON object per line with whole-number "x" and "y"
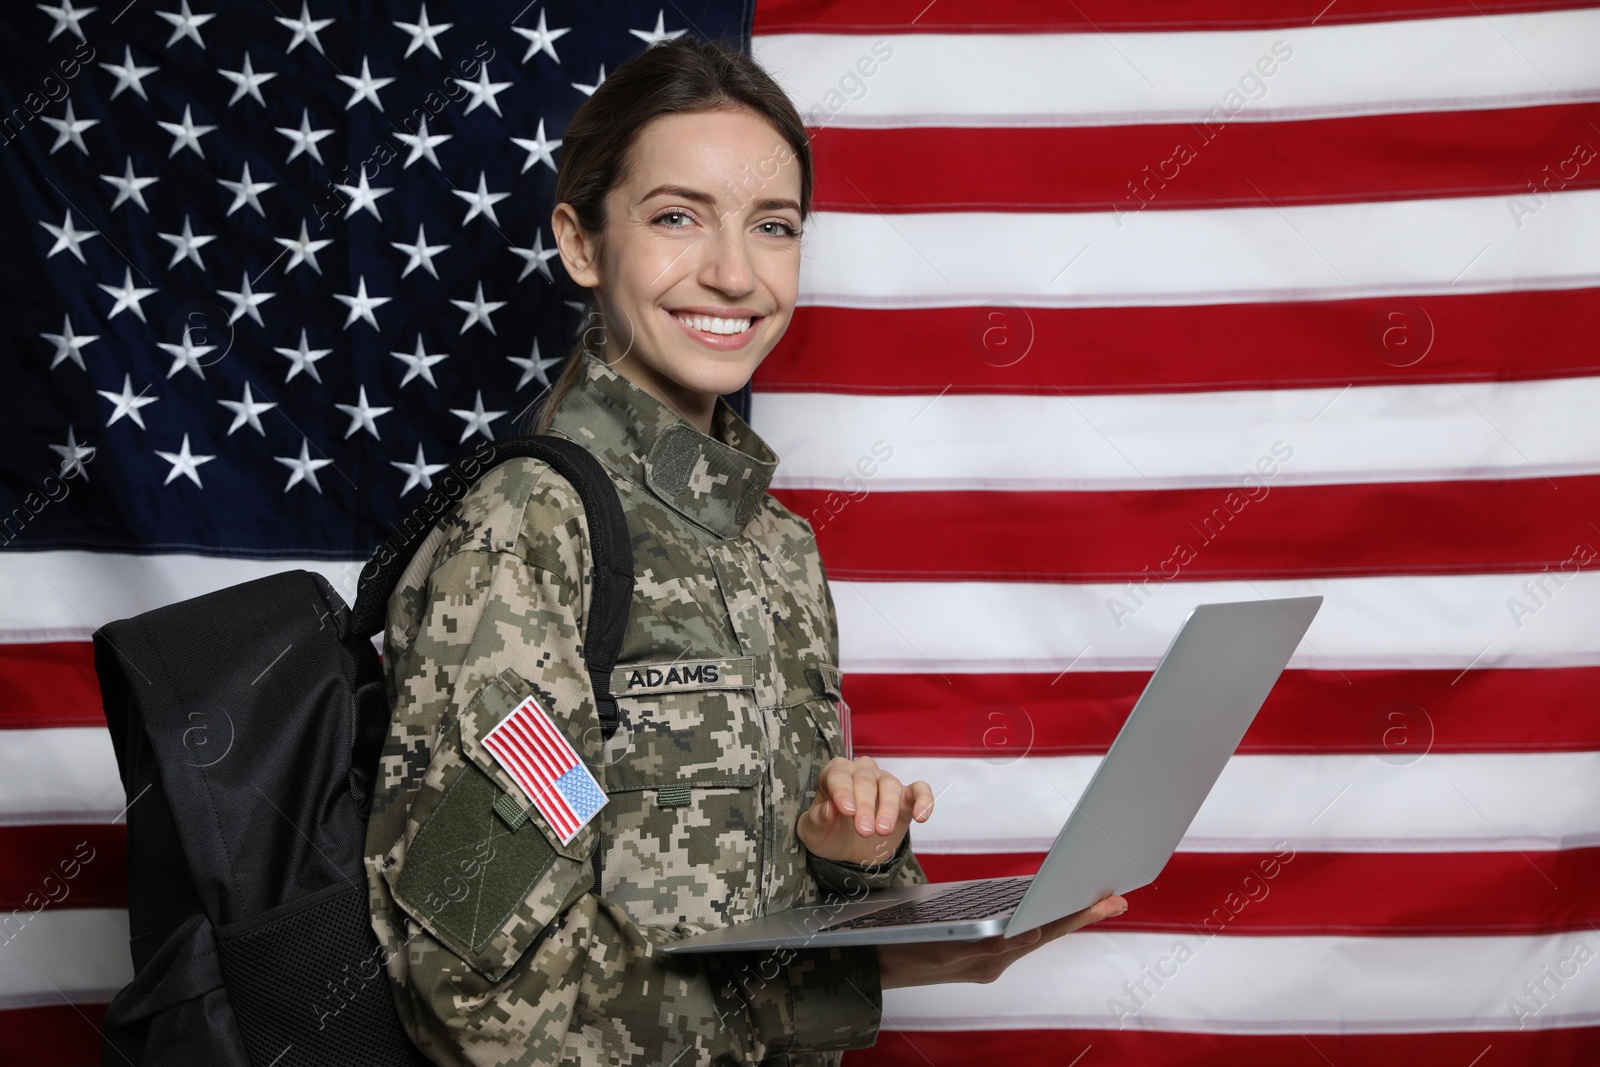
{"x": 1193, "y": 712}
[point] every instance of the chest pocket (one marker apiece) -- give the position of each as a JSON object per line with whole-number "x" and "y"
{"x": 682, "y": 832}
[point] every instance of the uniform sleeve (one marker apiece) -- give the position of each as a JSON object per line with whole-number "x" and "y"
{"x": 507, "y": 957}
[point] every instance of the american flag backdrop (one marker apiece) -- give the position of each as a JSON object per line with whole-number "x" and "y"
{"x": 1107, "y": 310}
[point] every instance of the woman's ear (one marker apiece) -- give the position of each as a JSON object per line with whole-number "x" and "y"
{"x": 579, "y": 250}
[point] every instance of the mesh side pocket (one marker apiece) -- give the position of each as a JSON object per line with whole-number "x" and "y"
{"x": 308, "y": 985}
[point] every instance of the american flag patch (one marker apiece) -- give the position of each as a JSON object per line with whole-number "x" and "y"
{"x": 534, "y": 751}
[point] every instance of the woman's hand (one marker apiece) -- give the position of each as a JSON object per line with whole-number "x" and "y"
{"x": 860, "y": 813}
{"x": 932, "y": 962}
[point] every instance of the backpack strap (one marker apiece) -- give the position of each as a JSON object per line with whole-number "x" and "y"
{"x": 610, "y": 549}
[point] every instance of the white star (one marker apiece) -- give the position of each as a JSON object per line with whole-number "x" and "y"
{"x": 128, "y": 75}
{"x": 364, "y": 196}
{"x": 419, "y": 364}
{"x": 365, "y": 87}
{"x": 539, "y": 150}
{"x": 477, "y": 419}
{"x": 536, "y": 258}
{"x": 186, "y": 354}
{"x": 244, "y": 301}
{"x": 129, "y": 187}
{"x": 186, "y": 245}
{"x": 588, "y": 90}
{"x": 305, "y": 138}
{"x": 244, "y": 192}
{"x": 483, "y": 90}
{"x": 184, "y": 462}
{"x": 69, "y": 345}
{"x": 482, "y": 201}
{"x": 651, "y": 38}
{"x": 421, "y": 254}
{"x": 362, "y": 416}
{"x": 361, "y": 305}
{"x": 66, "y": 18}
{"x": 247, "y": 411}
{"x": 478, "y": 310}
{"x": 419, "y": 473}
{"x": 185, "y": 134}
{"x": 534, "y": 368}
{"x": 422, "y": 34}
{"x": 69, "y": 129}
{"x": 303, "y": 249}
{"x": 185, "y": 24}
{"x": 126, "y": 403}
{"x": 303, "y": 358}
{"x": 303, "y": 468}
{"x": 74, "y": 456}
{"x": 247, "y": 81}
{"x": 128, "y": 296}
{"x": 422, "y": 144}
{"x": 305, "y": 29}
{"x": 541, "y": 39}
{"x": 68, "y": 238}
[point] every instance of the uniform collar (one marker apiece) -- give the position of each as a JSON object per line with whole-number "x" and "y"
{"x": 716, "y": 484}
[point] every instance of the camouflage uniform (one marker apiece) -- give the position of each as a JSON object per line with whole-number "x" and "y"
{"x": 727, "y": 689}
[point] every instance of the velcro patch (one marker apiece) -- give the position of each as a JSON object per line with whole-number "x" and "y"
{"x": 676, "y": 676}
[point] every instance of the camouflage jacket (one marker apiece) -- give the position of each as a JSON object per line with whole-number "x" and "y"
{"x": 728, "y": 695}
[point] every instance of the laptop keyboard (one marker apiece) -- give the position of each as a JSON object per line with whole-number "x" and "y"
{"x": 977, "y": 900}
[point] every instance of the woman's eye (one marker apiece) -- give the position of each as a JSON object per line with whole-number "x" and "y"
{"x": 786, "y": 229}
{"x": 670, "y": 215}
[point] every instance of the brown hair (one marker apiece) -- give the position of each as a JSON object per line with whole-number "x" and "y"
{"x": 683, "y": 75}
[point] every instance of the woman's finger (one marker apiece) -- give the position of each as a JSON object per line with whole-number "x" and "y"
{"x": 889, "y": 793}
{"x": 866, "y": 788}
{"x": 918, "y": 801}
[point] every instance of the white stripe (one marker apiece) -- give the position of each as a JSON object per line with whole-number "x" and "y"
{"x": 1273, "y": 985}
{"x": 1408, "y": 621}
{"x": 80, "y": 954}
{"x": 1096, "y": 79}
{"x": 60, "y": 774}
{"x": 67, "y": 595}
{"x": 1440, "y": 803}
{"x": 1247, "y": 437}
{"x": 1226, "y": 255}
{"x": 1440, "y": 622}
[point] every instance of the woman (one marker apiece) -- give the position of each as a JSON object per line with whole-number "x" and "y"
{"x": 684, "y": 185}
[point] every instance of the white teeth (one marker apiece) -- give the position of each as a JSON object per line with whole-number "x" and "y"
{"x": 712, "y": 325}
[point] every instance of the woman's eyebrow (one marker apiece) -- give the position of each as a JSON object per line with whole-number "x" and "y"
{"x": 686, "y": 193}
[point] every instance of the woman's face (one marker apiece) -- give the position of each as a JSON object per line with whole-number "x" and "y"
{"x": 706, "y": 227}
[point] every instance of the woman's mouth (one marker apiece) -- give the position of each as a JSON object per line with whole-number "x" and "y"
{"x": 714, "y": 332}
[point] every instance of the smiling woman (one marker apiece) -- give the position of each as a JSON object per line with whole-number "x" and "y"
{"x": 527, "y": 860}
{"x": 680, "y": 210}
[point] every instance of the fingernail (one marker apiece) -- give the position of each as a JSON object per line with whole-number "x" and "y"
{"x": 885, "y": 825}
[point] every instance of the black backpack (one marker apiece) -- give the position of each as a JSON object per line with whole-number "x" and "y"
{"x": 247, "y": 725}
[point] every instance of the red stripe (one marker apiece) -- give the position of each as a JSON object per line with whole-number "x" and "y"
{"x": 1525, "y": 151}
{"x": 1370, "y": 341}
{"x": 63, "y": 866}
{"x": 1104, "y": 16}
{"x": 1414, "y": 894}
{"x": 1391, "y": 713}
{"x": 60, "y": 1035}
{"x": 1577, "y": 1047}
{"x": 50, "y": 684}
{"x": 528, "y": 774}
{"x": 1257, "y": 530}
